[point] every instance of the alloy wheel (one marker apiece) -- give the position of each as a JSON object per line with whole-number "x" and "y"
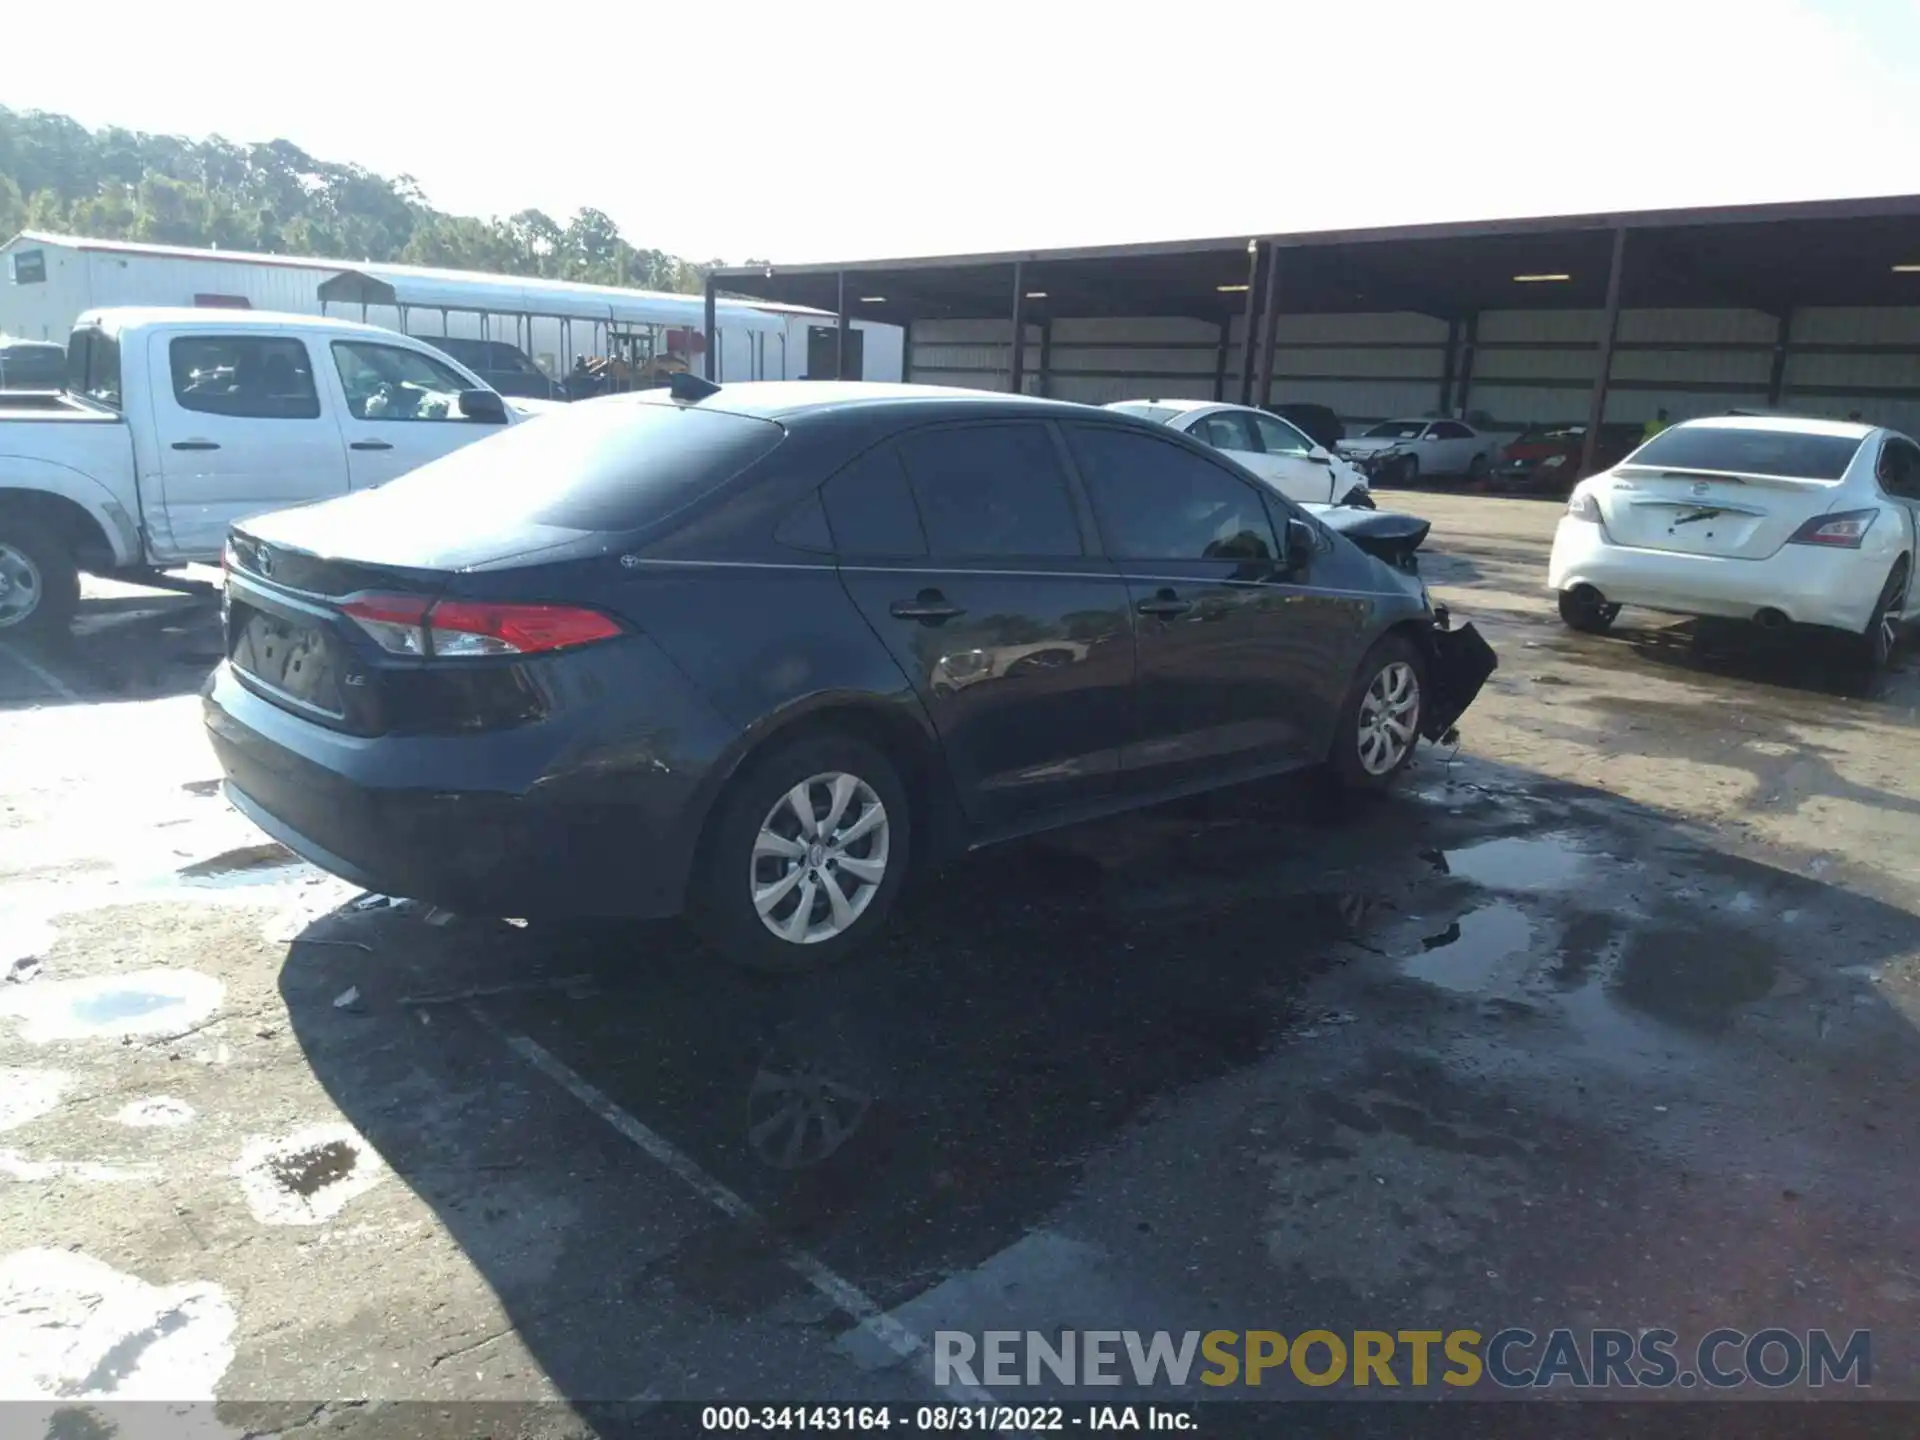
{"x": 819, "y": 858}
{"x": 1889, "y": 635}
{"x": 20, "y": 586}
{"x": 1389, "y": 716}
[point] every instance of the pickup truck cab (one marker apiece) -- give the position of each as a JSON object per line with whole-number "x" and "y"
{"x": 176, "y": 423}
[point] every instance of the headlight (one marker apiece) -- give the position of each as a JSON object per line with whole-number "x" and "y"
{"x": 1582, "y": 506}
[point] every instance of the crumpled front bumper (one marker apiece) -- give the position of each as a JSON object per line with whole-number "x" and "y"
{"x": 1460, "y": 664}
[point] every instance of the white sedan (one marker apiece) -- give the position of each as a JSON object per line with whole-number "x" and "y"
{"x": 1777, "y": 520}
{"x": 1274, "y": 449}
{"x": 1406, "y": 450}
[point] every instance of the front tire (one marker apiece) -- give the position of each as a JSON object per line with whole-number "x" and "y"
{"x": 1584, "y": 609}
{"x": 805, "y": 856}
{"x": 1379, "y": 725}
{"x": 39, "y": 581}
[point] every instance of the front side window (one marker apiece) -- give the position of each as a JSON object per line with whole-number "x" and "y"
{"x": 1158, "y": 501}
{"x": 1280, "y": 438}
{"x": 1228, "y": 430}
{"x": 1449, "y": 430}
{"x": 386, "y": 382}
{"x": 258, "y": 377}
{"x": 992, "y": 492}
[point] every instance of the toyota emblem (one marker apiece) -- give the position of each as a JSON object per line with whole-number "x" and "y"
{"x": 263, "y": 562}
{"x": 1699, "y": 487}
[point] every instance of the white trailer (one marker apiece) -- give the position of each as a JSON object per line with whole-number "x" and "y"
{"x": 48, "y": 280}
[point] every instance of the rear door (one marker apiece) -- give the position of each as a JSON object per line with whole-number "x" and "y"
{"x": 241, "y": 427}
{"x": 400, "y": 409}
{"x": 1726, "y": 491}
{"x": 969, "y": 555}
{"x": 1233, "y": 653}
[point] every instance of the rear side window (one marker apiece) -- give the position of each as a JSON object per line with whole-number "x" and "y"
{"x": 992, "y": 492}
{"x": 614, "y": 464}
{"x": 1900, "y": 468}
{"x": 870, "y": 510}
{"x": 93, "y": 366}
{"x": 1792, "y": 455}
{"x": 259, "y": 377}
{"x": 1157, "y": 501}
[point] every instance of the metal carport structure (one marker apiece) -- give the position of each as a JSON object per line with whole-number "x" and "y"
{"x": 1775, "y": 261}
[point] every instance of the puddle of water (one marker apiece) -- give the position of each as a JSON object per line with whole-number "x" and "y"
{"x": 73, "y": 1328}
{"x": 247, "y": 865}
{"x": 148, "y": 1002}
{"x": 308, "y": 1177}
{"x": 160, "y": 1111}
{"x": 1468, "y": 956}
{"x": 1519, "y": 862}
{"x": 1696, "y": 979}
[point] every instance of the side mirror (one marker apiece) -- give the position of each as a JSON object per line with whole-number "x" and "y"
{"x": 1320, "y": 455}
{"x": 484, "y": 406}
{"x": 1300, "y": 543}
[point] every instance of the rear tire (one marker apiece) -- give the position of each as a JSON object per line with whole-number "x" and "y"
{"x": 1583, "y": 609}
{"x": 1882, "y": 635}
{"x": 39, "y": 581}
{"x": 1379, "y": 725}
{"x": 771, "y": 864}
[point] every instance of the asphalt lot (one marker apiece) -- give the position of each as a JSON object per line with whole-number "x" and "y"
{"x": 1607, "y": 1020}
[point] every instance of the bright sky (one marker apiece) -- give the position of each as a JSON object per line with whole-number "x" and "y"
{"x": 843, "y": 129}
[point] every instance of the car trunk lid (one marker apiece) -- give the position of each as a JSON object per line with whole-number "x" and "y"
{"x": 1705, "y": 512}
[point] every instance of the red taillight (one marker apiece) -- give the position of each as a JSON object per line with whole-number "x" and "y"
{"x": 415, "y": 625}
{"x": 1843, "y": 530}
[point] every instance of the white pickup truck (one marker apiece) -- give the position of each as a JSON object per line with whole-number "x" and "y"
{"x": 175, "y": 423}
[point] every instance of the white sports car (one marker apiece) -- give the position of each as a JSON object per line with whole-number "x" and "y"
{"x": 1276, "y": 450}
{"x": 1777, "y": 520}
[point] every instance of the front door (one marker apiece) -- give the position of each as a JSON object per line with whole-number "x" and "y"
{"x": 401, "y": 409}
{"x": 1232, "y": 657}
{"x": 967, "y": 553}
{"x": 240, "y": 428}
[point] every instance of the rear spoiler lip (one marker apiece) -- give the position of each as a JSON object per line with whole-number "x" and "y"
{"x": 1737, "y": 477}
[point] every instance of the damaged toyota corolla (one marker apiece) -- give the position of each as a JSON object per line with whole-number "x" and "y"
{"x": 751, "y": 653}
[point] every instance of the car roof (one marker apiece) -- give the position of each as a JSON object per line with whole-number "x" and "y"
{"x": 1183, "y": 406}
{"x": 118, "y": 318}
{"x": 1792, "y": 424}
{"x": 790, "y": 399}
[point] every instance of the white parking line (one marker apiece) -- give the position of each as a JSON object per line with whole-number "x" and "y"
{"x": 843, "y": 1293}
{"x": 45, "y": 676}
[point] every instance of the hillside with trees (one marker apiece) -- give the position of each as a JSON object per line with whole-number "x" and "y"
{"x": 116, "y": 184}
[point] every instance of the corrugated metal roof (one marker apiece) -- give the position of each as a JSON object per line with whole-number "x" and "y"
{"x": 435, "y": 288}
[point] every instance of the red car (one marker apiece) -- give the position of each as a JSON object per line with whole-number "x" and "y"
{"x": 1547, "y": 457}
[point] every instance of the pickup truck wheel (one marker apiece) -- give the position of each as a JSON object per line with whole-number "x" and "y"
{"x": 39, "y": 583}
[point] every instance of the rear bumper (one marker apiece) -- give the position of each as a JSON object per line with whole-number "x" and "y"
{"x": 1811, "y": 586}
{"x": 511, "y": 822}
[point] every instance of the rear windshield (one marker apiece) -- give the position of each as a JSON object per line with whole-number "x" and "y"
{"x": 612, "y": 464}
{"x": 1792, "y": 455}
{"x": 1162, "y": 413}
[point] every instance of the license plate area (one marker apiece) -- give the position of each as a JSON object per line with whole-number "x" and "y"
{"x": 295, "y": 660}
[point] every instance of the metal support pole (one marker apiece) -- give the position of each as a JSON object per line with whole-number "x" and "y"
{"x": 1255, "y": 251}
{"x": 707, "y": 355}
{"x": 1046, "y": 357}
{"x": 1610, "y": 324}
{"x": 1220, "y": 363}
{"x": 1016, "y": 366}
{"x": 1777, "y": 376}
{"x": 1447, "y": 364}
{"x": 1469, "y": 344}
{"x": 1269, "y": 327}
{"x": 906, "y": 353}
{"x": 840, "y": 333}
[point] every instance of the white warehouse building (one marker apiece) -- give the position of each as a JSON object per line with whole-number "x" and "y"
{"x": 48, "y": 280}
